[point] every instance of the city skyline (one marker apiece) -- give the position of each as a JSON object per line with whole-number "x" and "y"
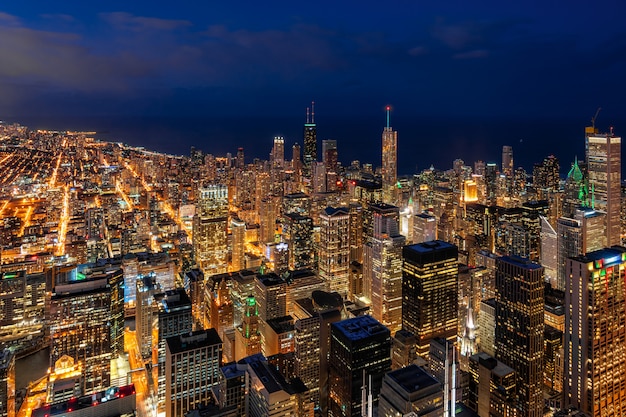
{"x": 210, "y": 75}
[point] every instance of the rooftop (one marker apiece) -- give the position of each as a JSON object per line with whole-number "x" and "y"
{"x": 360, "y": 327}
{"x": 193, "y": 340}
{"x": 433, "y": 245}
{"x": 412, "y": 378}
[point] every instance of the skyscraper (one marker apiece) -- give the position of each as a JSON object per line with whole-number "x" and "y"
{"x": 209, "y": 232}
{"x": 604, "y": 165}
{"x": 429, "y": 292}
{"x": 383, "y": 257}
{"x": 310, "y": 138}
{"x": 390, "y": 162}
{"x": 360, "y": 348}
{"x": 595, "y": 333}
{"x": 507, "y": 160}
{"x": 278, "y": 153}
{"x": 519, "y": 328}
{"x": 329, "y": 154}
{"x": 174, "y": 319}
{"x": 81, "y": 315}
{"x": 583, "y": 233}
{"x": 237, "y": 260}
{"x": 192, "y": 369}
{"x": 334, "y": 249}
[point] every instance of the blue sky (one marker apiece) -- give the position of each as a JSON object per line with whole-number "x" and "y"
{"x": 482, "y": 60}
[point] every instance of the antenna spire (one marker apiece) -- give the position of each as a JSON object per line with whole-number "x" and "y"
{"x": 312, "y": 112}
{"x": 307, "y": 116}
{"x": 387, "y": 109}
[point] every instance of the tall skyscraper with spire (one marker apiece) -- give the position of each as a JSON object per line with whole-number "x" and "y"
{"x": 390, "y": 162}
{"x": 604, "y": 165}
{"x": 310, "y": 138}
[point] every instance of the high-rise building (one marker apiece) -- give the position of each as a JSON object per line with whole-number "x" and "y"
{"x": 383, "y": 261}
{"x": 492, "y": 387}
{"x": 238, "y": 230}
{"x": 247, "y": 333}
{"x": 583, "y": 233}
{"x": 192, "y": 369}
{"x": 604, "y": 168}
{"x": 329, "y": 154}
{"x": 487, "y": 326}
{"x": 595, "y": 333}
{"x": 86, "y": 317}
{"x": 271, "y": 296}
{"x": 334, "y": 249}
{"x": 390, "y": 162}
{"x": 268, "y": 213}
{"x": 298, "y": 234}
{"x": 270, "y": 394}
{"x": 424, "y": 228}
{"x": 278, "y": 153}
{"x": 174, "y": 318}
{"x": 7, "y": 383}
{"x": 210, "y": 238}
{"x": 410, "y": 390}
{"x": 520, "y": 326}
{"x": 147, "y": 287}
{"x": 310, "y": 138}
{"x": 360, "y": 354}
{"x": 312, "y": 343}
{"x": 507, "y": 160}
{"x": 429, "y": 292}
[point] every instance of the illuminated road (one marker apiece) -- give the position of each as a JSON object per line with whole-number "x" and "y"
{"x": 63, "y": 222}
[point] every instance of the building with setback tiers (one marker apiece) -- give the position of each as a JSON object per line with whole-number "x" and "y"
{"x": 429, "y": 292}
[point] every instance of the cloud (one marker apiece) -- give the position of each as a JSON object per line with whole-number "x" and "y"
{"x": 8, "y": 20}
{"x": 477, "y": 53}
{"x": 59, "y": 17}
{"x": 456, "y": 36}
{"x": 127, "y": 21}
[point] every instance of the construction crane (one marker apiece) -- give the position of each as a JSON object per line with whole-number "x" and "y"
{"x": 595, "y": 116}
{"x": 592, "y": 129}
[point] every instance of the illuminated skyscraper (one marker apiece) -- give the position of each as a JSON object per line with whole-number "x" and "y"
{"x": 576, "y": 236}
{"x": 329, "y": 154}
{"x": 383, "y": 256}
{"x": 604, "y": 164}
{"x": 492, "y": 387}
{"x": 334, "y": 249}
{"x": 80, "y": 320}
{"x": 238, "y": 230}
{"x": 429, "y": 292}
{"x": 146, "y": 288}
{"x": 210, "y": 224}
{"x": 310, "y": 138}
{"x": 247, "y": 334}
{"x": 192, "y": 369}
{"x": 519, "y": 328}
{"x": 595, "y": 333}
{"x": 507, "y": 160}
{"x": 278, "y": 152}
{"x": 174, "y": 319}
{"x": 313, "y": 316}
{"x": 360, "y": 347}
{"x": 268, "y": 213}
{"x": 298, "y": 234}
{"x": 390, "y": 163}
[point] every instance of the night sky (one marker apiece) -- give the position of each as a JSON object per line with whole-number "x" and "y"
{"x": 463, "y": 77}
